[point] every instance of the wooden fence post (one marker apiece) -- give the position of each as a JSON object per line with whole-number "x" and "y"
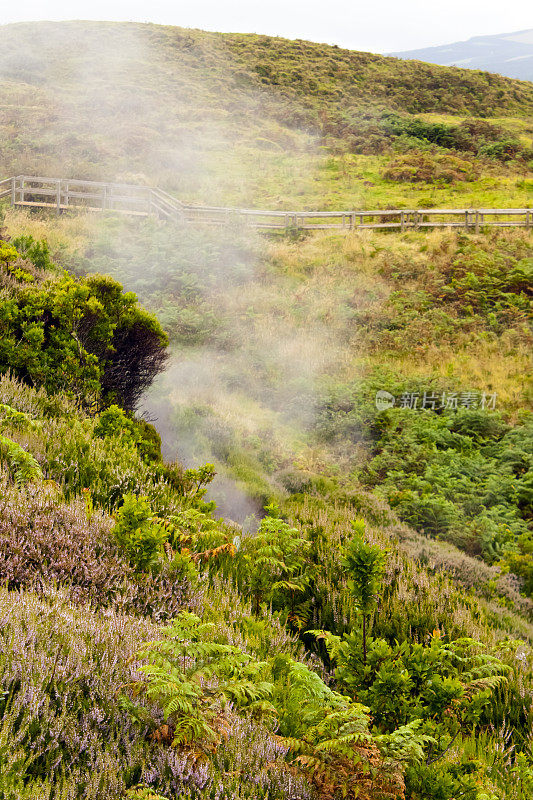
{"x": 135, "y": 200}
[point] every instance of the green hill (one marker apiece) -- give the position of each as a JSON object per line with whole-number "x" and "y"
{"x": 344, "y": 610}
{"x": 191, "y": 110}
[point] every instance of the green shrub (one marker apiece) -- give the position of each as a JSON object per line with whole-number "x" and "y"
{"x": 114, "y": 422}
{"x": 140, "y": 533}
{"x": 424, "y": 167}
{"x": 504, "y": 150}
{"x": 143, "y": 793}
{"x": 37, "y": 252}
{"x": 19, "y": 420}
{"x": 83, "y": 337}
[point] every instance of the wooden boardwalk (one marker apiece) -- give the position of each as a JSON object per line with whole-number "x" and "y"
{"x": 66, "y": 194}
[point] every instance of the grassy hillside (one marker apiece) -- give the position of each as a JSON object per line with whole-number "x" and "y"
{"x": 345, "y": 609}
{"x": 242, "y": 119}
{"x": 279, "y": 347}
{"x": 341, "y": 79}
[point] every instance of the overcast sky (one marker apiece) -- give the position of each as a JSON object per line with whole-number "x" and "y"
{"x": 376, "y": 25}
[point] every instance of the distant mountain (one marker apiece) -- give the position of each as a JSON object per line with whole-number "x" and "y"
{"x": 509, "y": 54}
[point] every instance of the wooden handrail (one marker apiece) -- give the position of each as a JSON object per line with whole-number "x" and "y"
{"x": 70, "y": 193}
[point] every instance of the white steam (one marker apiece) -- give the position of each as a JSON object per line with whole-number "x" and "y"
{"x": 168, "y": 107}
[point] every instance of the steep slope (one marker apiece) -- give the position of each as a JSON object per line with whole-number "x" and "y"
{"x": 508, "y": 54}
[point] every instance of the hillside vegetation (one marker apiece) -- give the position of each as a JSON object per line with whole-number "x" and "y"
{"x": 240, "y": 119}
{"x": 227, "y": 571}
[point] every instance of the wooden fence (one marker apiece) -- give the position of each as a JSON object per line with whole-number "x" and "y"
{"x": 65, "y": 194}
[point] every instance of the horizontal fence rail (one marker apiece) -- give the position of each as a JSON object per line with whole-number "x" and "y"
{"x": 5, "y": 187}
{"x": 65, "y": 194}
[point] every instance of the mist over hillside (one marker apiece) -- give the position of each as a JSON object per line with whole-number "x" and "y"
{"x": 508, "y": 54}
{"x": 245, "y": 120}
{"x": 127, "y": 101}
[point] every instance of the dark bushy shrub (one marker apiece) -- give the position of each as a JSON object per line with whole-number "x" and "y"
{"x": 83, "y": 337}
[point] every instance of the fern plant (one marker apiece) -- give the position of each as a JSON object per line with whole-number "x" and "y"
{"x": 192, "y": 679}
{"x": 190, "y": 676}
{"x": 205, "y": 540}
{"x": 405, "y": 745}
{"x": 365, "y": 564}
{"x": 272, "y": 563}
{"x": 327, "y": 733}
{"x": 21, "y": 465}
